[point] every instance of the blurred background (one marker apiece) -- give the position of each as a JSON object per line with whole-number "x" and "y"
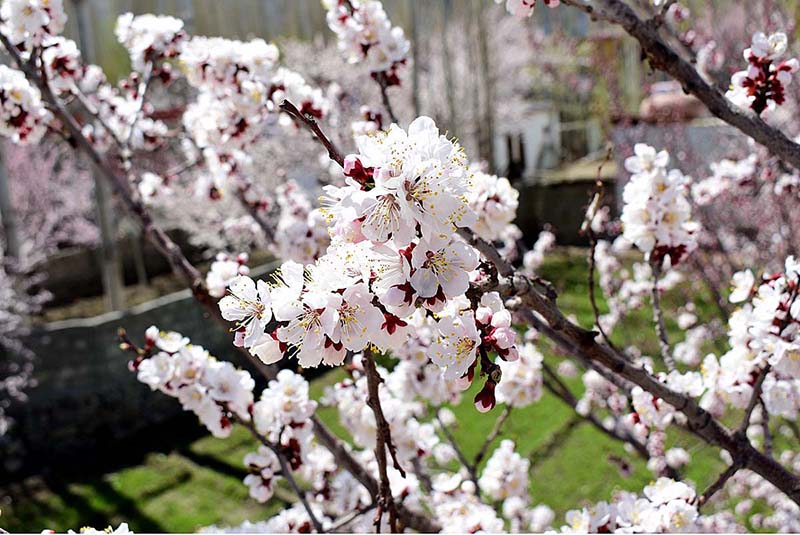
{"x": 541, "y": 101}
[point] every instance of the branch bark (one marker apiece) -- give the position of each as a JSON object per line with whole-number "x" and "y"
{"x": 383, "y": 441}
{"x": 664, "y": 58}
{"x": 658, "y": 318}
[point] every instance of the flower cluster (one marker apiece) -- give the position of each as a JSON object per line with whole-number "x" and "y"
{"x": 371, "y": 122}
{"x": 656, "y": 216}
{"x": 764, "y": 332}
{"x": 763, "y": 84}
{"x": 505, "y": 474}
{"x": 223, "y": 271}
{"x": 301, "y": 233}
{"x": 494, "y": 201}
{"x": 283, "y": 415}
{"x": 23, "y": 117}
{"x": 522, "y": 379}
{"x": 667, "y": 506}
{"x": 28, "y": 23}
{"x": 725, "y": 174}
{"x": 536, "y": 256}
{"x": 263, "y": 466}
{"x": 241, "y": 87}
{"x": 393, "y": 253}
{"x": 62, "y": 61}
{"x": 523, "y": 9}
{"x": 366, "y": 34}
{"x": 212, "y": 389}
{"x": 150, "y": 38}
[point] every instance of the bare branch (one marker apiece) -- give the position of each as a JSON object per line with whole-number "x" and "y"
{"x": 664, "y": 58}
{"x": 387, "y": 104}
{"x": 717, "y": 485}
{"x": 498, "y": 426}
{"x": 658, "y": 317}
{"x": 286, "y": 470}
{"x": 309, "y": 123}
{"x": 346, "y": 519}
{"x": 460, "y": 454}
{"x": 383, "y": 440}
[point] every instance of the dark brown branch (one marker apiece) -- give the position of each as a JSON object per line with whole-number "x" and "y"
{"x": 387, "y": 104}
{"x": 658, "y": 318}
{"x": 286, "y": 470}
{"x": 755, "y": 398}
{"x": 765, "y": 429}
{"x": 717, "y": 485}
{"x": 257, "y": 213}
{"x": 459, "y": 453}
{"x": 587, "y": 229}
{"x": 346, "y": 519}
{"x": 309, "y": 123}
{"x": 498, "y": 426}
{"x": 383, "y": 440}
{"x": 664, "y": 58}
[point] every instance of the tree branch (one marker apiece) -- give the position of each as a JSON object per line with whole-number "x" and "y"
{"x": 717, "y": 485}
{"x": 658, "y": 318}
{"x": 387, "y": 104}
{"x": 383, "y": 440}
{"x": 498, "y": 426}
{"x": 664, "y": 58}
{"x": 460, "y": 454}
{"x": 311, "y": 125}
{"x": 286, "y": 470}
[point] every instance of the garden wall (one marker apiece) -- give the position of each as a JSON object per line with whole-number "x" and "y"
{"x": 86, "y": 402}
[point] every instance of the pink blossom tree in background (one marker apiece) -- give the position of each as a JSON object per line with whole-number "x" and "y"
{"x": 410, "y": 258}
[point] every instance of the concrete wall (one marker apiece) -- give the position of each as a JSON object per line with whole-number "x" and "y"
{"x": 86, "y": 402}
{"x": 561, "y": 206}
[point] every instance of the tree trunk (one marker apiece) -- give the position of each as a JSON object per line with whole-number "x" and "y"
{"x": 110, "y": 261}
{"x": 7, "y": 216}
{"x": 452, "y": 118}
{"x": 415, "y": 45}
{"x": 486, "y": 139}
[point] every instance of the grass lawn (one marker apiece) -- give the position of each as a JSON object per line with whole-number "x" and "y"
{"x": 200, "y": 484}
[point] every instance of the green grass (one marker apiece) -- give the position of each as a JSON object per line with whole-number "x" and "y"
{"x": 200, "y": 484}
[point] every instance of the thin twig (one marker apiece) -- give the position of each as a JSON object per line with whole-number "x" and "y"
{"x": 766, "y": 430}
{"x": 658, "y": 317}
{"x": 286, "y": 470}
{"x": 346, "y": 519}
{"x": 755, "y": 398}
{"x": 383, "y": 440}
{"x": 383, "y": 84}
{"x": 309, "y": 123}
{"x": 498, "y": 426}
{"x": 555, "y": 441}
{"x": 586, "y": 227}
{"x": 717, "y": 485}
{"x": 459, "y": 453}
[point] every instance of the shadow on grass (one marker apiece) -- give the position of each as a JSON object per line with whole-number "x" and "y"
{"x": 121, "y": 505}
{"x": 212, "y": 463}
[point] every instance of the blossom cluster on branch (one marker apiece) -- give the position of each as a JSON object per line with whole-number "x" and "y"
{"x": 366, "y": 34}
{"x": 762, "y": 86}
